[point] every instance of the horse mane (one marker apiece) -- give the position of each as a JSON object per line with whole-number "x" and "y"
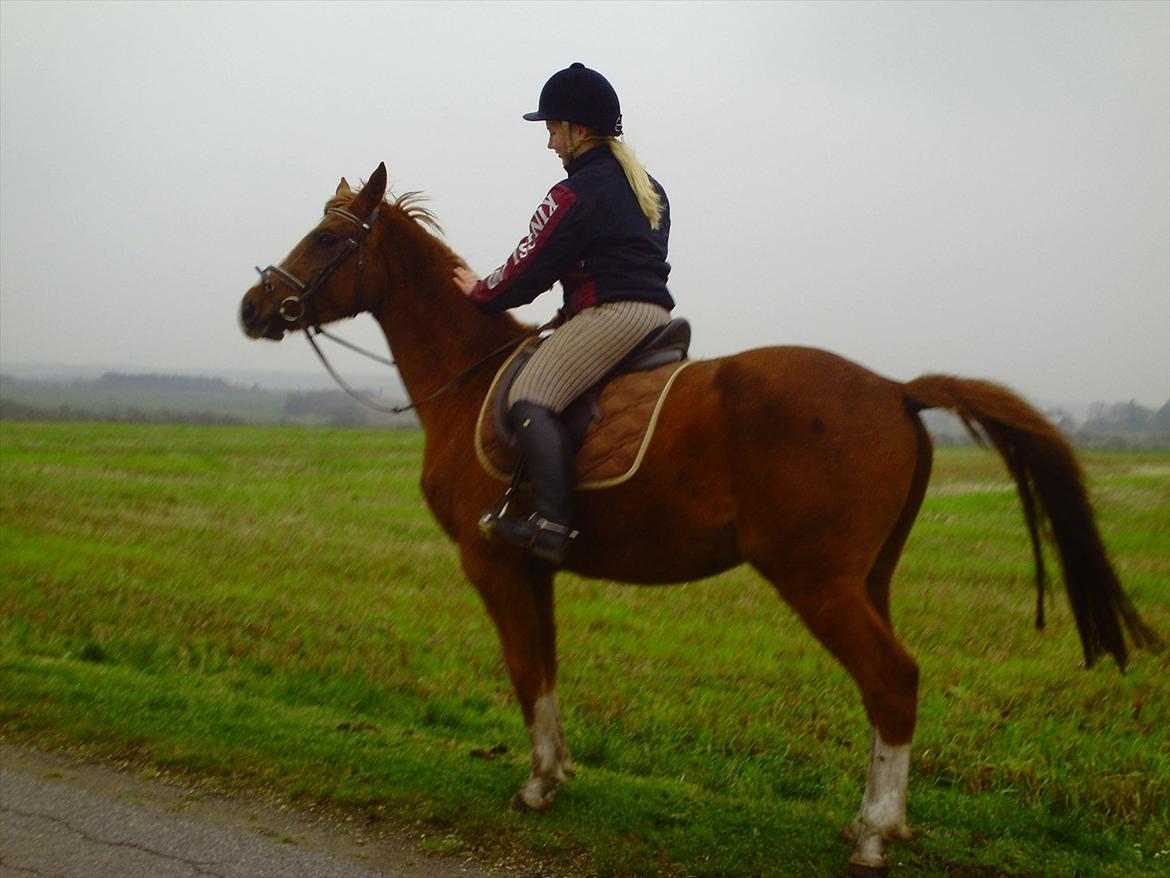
{"x": 410, "y": 203}
{"x": 410, "y": 206}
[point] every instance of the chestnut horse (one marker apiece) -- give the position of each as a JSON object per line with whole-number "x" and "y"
{"x": 804, "y": 465}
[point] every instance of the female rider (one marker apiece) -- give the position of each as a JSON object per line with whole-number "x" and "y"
{"x": 602, "y": 232}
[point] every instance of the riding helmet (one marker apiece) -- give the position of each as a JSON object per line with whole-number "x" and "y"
{"x": 583, "y": 96}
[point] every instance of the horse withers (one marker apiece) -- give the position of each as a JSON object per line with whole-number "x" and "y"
{"x": 808, "y": 467}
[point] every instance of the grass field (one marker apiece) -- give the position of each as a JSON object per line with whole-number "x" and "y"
{"x": 275, "y": 610}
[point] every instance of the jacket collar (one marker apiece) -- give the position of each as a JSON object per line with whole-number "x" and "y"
{"x": 598, "y": 153}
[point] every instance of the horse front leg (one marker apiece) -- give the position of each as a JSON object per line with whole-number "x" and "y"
{"x": 551, "y": 763}
{"x": 518, "y": 595}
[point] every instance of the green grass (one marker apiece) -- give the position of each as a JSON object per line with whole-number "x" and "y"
{"x": 274, "y": 609}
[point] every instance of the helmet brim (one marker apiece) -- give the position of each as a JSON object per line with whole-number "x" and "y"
{"x": 538, "y": 116}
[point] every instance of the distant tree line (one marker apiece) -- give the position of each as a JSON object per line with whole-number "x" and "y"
{"x": 11, "y": 410}
{"x": 1116, "y": 426}
{"x": 1124, "y": 425}
{"x": 170, "y": 383}
{"x": 182, "y": 399}
{"x": 1127, "y": 417}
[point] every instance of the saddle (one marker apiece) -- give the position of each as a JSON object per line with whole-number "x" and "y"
{"x": 612, "y": 420}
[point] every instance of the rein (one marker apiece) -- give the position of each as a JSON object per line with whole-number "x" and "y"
{"x": 293, "y": 309}
{"x": 401, "y": 409}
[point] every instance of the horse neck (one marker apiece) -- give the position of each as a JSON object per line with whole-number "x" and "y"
{"x": 434, "y": 331}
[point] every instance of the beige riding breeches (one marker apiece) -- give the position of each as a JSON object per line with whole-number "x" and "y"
{"x": 581, "y": 351}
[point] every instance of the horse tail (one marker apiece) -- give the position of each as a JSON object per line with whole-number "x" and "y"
{"x": 1052, "y": 490}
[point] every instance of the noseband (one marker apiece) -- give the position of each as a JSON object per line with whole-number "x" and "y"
{"x": 294, "y": 308}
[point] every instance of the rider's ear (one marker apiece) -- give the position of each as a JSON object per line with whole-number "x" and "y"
{"x": 343, "y": 188}
{"x": 371, "y": 194}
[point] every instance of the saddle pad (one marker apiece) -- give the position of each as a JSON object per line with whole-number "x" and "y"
{"x": 614, "y": 447}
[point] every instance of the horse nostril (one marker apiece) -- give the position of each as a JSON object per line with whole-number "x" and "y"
{"x": 248, "y": 312}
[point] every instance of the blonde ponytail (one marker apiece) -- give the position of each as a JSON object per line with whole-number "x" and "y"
{"x": 647, "y": 194}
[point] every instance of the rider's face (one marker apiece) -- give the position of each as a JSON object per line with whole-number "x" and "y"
{"x": 558, "y": 143}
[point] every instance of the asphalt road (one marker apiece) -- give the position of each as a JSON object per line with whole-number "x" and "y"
{"x": 64, "y": 819}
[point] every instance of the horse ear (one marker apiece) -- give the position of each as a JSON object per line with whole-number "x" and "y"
{"x": 372, "y": 193}
{"x": 343, "y": 188}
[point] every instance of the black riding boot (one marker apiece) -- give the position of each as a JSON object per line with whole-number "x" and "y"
{"x": 547, "y": 457}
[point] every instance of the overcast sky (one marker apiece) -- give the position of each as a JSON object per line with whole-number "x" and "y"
{"x": 982, "y": 189}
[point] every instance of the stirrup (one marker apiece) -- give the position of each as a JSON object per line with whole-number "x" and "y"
{"x": 488, "y": 521}
{"x": 536, "y": 535}
{"x": 493, "y": 515}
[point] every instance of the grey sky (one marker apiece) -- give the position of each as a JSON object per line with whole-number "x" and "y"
{"x": 982, "y": 189}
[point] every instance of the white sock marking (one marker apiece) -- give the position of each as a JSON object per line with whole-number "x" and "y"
{"x": 884, "y": 808}
{"x": 545, "y": 734}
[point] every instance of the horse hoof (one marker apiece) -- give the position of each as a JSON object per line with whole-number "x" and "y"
{"x": 857, "y": 871}
{"x": 522, "y": 805}
{"x": 901, "y": 833}
{"x": 852, "y": 832}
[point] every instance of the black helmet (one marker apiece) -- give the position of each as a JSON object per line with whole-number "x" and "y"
{"x": 578, "y": 94}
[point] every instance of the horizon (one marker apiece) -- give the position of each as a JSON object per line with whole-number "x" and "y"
{"x": 317, "y": 379}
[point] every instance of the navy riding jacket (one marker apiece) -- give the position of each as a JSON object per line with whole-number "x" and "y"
{"x": 590, "y": 234}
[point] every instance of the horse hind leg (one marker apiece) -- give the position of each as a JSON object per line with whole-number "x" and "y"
{"x": 839, "y": 613}
{"x": 882, "y": 816}
{"x": 877, "y": 581}
{"x": 884, "y": 804}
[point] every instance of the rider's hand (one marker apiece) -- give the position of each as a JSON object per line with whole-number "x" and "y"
{"x": 465, "y": 279}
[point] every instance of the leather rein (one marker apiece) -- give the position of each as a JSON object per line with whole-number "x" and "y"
{"x": 293, "y": 309}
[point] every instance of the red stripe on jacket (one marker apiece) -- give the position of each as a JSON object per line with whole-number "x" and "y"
{"x": 530, "y": 270}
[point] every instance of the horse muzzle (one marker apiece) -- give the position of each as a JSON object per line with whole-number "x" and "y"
{"x": 258, "y": 319}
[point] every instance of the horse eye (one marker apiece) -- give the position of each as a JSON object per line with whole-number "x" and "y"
{"x": 326, "y": 240}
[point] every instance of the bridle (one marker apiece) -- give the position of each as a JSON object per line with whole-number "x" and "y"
{"x": 294, "y": 309}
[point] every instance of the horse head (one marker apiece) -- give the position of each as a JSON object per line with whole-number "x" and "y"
{"x": 320, "y": 280}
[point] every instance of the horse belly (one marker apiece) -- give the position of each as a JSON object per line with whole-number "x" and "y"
{"x": 674, "y": 520}
{"x": 659, "y": 552}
